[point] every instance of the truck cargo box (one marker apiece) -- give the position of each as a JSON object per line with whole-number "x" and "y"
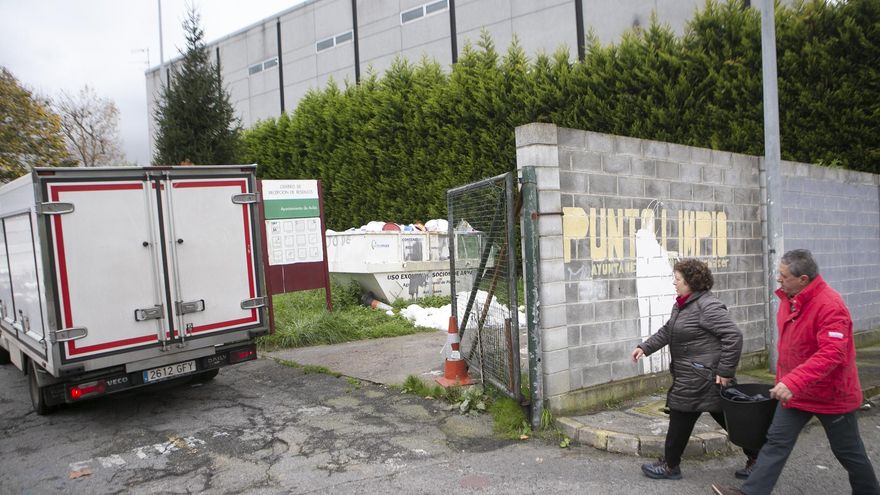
{"x": 113, "y": 278}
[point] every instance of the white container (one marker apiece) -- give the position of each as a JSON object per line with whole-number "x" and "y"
{"x": 113, "y": 278}
{"x": 402, "y": 265}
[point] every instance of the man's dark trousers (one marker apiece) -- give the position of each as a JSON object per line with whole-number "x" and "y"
{"x": 842, "y": 431}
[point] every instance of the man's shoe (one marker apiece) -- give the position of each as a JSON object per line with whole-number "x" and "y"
{"x": 746, "y": 471}
{"x": 661, "y": 471}
{"x": 723, "y": 490}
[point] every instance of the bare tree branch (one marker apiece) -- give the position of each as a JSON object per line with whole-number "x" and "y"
{"x": 89, "y": 123}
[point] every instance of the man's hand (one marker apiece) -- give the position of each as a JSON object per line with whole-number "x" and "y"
{"x": 781, "y": 392}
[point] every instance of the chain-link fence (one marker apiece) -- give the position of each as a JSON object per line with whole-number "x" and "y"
{"x": 483, "y": 262}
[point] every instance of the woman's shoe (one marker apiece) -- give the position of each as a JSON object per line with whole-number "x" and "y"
{"x": 661, "y": 471}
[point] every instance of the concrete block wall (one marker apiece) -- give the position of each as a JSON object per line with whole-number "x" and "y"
{"x": 605, "y": 248}
{"x": 835, "y": 213}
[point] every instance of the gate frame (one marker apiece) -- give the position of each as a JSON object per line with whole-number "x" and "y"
{"x": 513, "y": 303}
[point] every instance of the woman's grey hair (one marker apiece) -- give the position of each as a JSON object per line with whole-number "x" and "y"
{"x": 800, "y": 262}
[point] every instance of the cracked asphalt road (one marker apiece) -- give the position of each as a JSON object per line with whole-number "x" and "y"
{"x": 263, "y": 428}
{"x": 259, "y": 427}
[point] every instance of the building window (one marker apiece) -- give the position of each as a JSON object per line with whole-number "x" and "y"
{"x": 436, "y": 7}
{"x": 423, "y": 10}
{"x": 264, "y": 65}
{"x": 325, "y": 44}
{"x": 411, "y": 15}
{"x": 333, "y": 41}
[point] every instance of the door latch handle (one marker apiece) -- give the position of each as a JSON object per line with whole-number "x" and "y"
{"x": 154, "y": 313}
{"x": 183, "y": 308}
{"x": 257, "y": 302}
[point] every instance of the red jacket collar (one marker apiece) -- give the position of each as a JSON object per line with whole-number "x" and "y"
{"x": 804, "y": 296}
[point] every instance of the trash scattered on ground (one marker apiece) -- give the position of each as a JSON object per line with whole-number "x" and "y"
{"x": 79, "y": 473}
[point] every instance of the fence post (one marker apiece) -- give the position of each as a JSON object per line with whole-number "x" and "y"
{"x": 531, "y": 257}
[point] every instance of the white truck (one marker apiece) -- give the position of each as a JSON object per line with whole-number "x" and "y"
{"x": 116, "y": 278}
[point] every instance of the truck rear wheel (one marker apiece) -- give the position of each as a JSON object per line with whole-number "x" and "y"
{"x": 38, "y": 397}
{"x": 4, "y": 356}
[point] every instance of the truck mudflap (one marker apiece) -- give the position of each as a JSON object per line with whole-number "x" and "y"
{"x": 98, "y": 384}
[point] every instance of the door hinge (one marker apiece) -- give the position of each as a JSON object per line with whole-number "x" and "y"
{"x": 257, "y": 302}
{"x": 245, "y": 198}
{"x": 24, "y": 321}
{"x": 154, "y": 313}
{"x": 54, "y": 208}
{"x": 183, "y": 308}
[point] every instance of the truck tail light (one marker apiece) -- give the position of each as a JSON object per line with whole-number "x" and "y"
{"x": 84, "y": 390}
{"x": 242, "y": 355}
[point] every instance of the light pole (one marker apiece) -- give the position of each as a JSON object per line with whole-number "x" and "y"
{"x": 161, "y": 53}
{"x": 773, "y": 174}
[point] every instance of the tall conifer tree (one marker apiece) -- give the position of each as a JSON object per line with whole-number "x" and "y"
{"x": 195, "y": 120}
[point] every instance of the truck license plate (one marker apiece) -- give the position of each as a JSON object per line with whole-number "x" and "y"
{"x": 172, "y": 370}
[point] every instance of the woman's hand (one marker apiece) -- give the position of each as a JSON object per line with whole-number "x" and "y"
{"x": 720, "y": 380}
{"x": 637, "y": 354}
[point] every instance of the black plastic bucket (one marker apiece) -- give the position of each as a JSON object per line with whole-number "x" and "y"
{"x": 748, "y": 422}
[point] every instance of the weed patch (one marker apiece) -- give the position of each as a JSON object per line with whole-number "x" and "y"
{"x": 508, "y": 419}
{"x": 301, "y": 319}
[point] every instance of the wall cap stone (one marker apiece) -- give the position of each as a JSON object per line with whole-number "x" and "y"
{"x": 536, "y": 133}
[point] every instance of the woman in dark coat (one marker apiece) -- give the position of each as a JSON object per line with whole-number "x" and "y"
{"x": 705, "y": 345}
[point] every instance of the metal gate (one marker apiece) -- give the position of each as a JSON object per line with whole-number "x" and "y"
{"x": 484, "y": 278}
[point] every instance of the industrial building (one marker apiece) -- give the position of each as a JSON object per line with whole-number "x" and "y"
{"x": 269, "y": 66}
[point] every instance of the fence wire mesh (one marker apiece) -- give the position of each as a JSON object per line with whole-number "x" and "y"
{"x": 483, "y": 262}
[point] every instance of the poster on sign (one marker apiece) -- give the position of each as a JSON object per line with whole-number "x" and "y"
{"x": 293, "y": 221}
{"x": 294, "y": 254}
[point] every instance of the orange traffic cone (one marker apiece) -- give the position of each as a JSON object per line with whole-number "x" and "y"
{"x": 455, "y": 369}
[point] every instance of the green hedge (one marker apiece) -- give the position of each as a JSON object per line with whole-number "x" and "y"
{"x": 389, "y": 147}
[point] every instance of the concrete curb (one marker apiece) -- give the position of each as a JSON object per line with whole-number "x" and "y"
{"x": 708, "y": 443}
{"x": 713, "y": 443}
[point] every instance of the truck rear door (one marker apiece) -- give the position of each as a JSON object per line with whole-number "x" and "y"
{"x": 213, "y": 259}
{"x": 106, "y": 265}
{"x": 155, "y": 263}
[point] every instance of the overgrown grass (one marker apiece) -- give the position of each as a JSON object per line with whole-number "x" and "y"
{"x": 415, "y": 386}
{"x": 301, "y": 319}
{"x": 508, "y": 418}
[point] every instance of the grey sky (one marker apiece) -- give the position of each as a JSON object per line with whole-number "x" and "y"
{"x": 55, "y": 45}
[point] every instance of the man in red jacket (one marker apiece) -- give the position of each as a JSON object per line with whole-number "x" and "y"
{"x": 816, "y": 375}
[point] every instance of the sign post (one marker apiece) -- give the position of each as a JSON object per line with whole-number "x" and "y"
{"x": 295, "y": 249}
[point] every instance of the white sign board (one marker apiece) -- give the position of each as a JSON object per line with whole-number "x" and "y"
{"x": 293, "y": 221}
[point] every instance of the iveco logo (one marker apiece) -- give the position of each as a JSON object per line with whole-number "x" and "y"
{"x": 117, "y": 381}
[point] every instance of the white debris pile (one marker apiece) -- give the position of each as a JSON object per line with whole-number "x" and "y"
{"x": 435, "y": 225}
{"x": 439, "y": 317}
